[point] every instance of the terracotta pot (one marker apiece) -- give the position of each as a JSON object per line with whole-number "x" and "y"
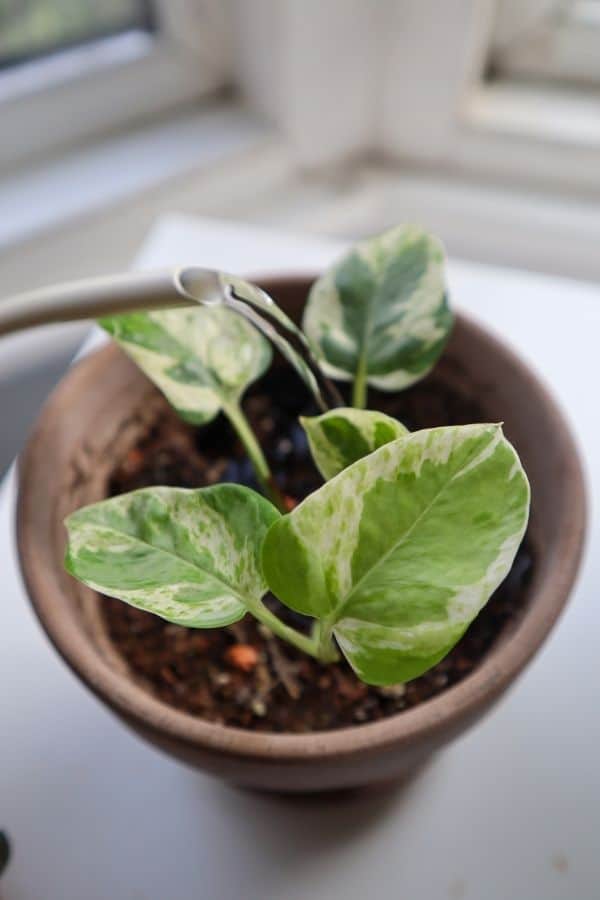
{"x": 99, "y": 409}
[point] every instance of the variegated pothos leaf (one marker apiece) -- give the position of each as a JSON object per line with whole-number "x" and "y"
{"x": 190, "y": 556}
{"x": 382, "y": 309}
{"x": 277, "y": 326}
{"x": 258, "y": 298}
{"x": 201, "y": 359}
{"x": 401, "y": 550}
{"x": 342, "y": 436}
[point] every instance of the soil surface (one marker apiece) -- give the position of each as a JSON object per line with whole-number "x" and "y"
{"x": 242, "y": 675}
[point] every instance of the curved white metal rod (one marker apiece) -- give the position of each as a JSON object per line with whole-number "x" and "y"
{"x": 92, "y": 298}
{"x": 110, "y": 295}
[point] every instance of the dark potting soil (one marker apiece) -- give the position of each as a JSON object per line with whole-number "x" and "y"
{"x": 242, "y": 675}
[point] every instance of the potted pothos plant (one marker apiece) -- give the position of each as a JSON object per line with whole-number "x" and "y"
{"x": 300, "y": 571}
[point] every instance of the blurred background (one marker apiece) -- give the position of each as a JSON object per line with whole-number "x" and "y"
{"x": 479, "y": 119}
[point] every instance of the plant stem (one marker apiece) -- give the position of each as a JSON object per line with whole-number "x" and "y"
{"x": 359, "y": 390}
{"x": 326, "y": 649}
{"x": 301, "y": 641}
{"x": 239, "y": 421}
{"x": 319, "y": 644}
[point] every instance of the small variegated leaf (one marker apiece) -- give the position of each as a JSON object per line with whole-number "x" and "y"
{"x": 258, "y": 298}
{"x": 342, "y": 436}
{"x": 382, "y": 310}
{"x": 400, "y": 551}
{"x": 201, "y": 359}
{"x": 189, "y": 556}
{"x": 278, "y": 327}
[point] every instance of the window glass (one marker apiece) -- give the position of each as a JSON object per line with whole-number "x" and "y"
{"x": 30, "y": 29}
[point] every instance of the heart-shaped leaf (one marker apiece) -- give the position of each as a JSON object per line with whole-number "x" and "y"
{"x": 399, "y": 552}
{"x": 201, "y": 359}
{"x": 381, "y": 314}
{"x": 342, "y": 436}
{"x": 190, "y": 556}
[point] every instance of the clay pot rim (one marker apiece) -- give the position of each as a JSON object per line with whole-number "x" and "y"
{"x": 445, "y": 712}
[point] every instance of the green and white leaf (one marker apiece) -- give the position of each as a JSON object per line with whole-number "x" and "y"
{"x": 189, "y": 556}
{"x": 382, "y": 310}
{"x": 265, "y": 307}
{"x": 342, "y": 436}
{"x": 201, "y": 359}
{"x": 399, "y": 552}
{"x": 258, "y": 298}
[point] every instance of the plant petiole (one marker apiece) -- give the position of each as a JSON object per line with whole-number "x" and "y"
{"x": 264, "y": 477}
{"x": 359, "y": 389}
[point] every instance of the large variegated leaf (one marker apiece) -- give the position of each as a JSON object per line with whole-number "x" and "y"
{"x": 400, "y": 551}
{"x": 382, "y": 311}
{"x": 342, "y": 436}
{"x": 201, "y": 359}
{"x": 190, "y": 556}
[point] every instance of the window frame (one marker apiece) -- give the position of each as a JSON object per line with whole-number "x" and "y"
{"x": 560, "y": 48}
{"x": 539, "y": 134}
{"x": 84, "y": 91}
{"x": 143, "y": 20}
{"x": 457, "y": 121}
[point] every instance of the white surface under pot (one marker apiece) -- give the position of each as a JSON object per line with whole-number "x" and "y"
{"x": 510, "y": 810}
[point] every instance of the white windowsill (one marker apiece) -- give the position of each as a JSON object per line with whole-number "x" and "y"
{"x": 547, "y": 113}
{"x": 59, "y": 204}
{"x": 74, "y": 62}
{"x": 87, "y": 213}
{"x": 93, "y": 177}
